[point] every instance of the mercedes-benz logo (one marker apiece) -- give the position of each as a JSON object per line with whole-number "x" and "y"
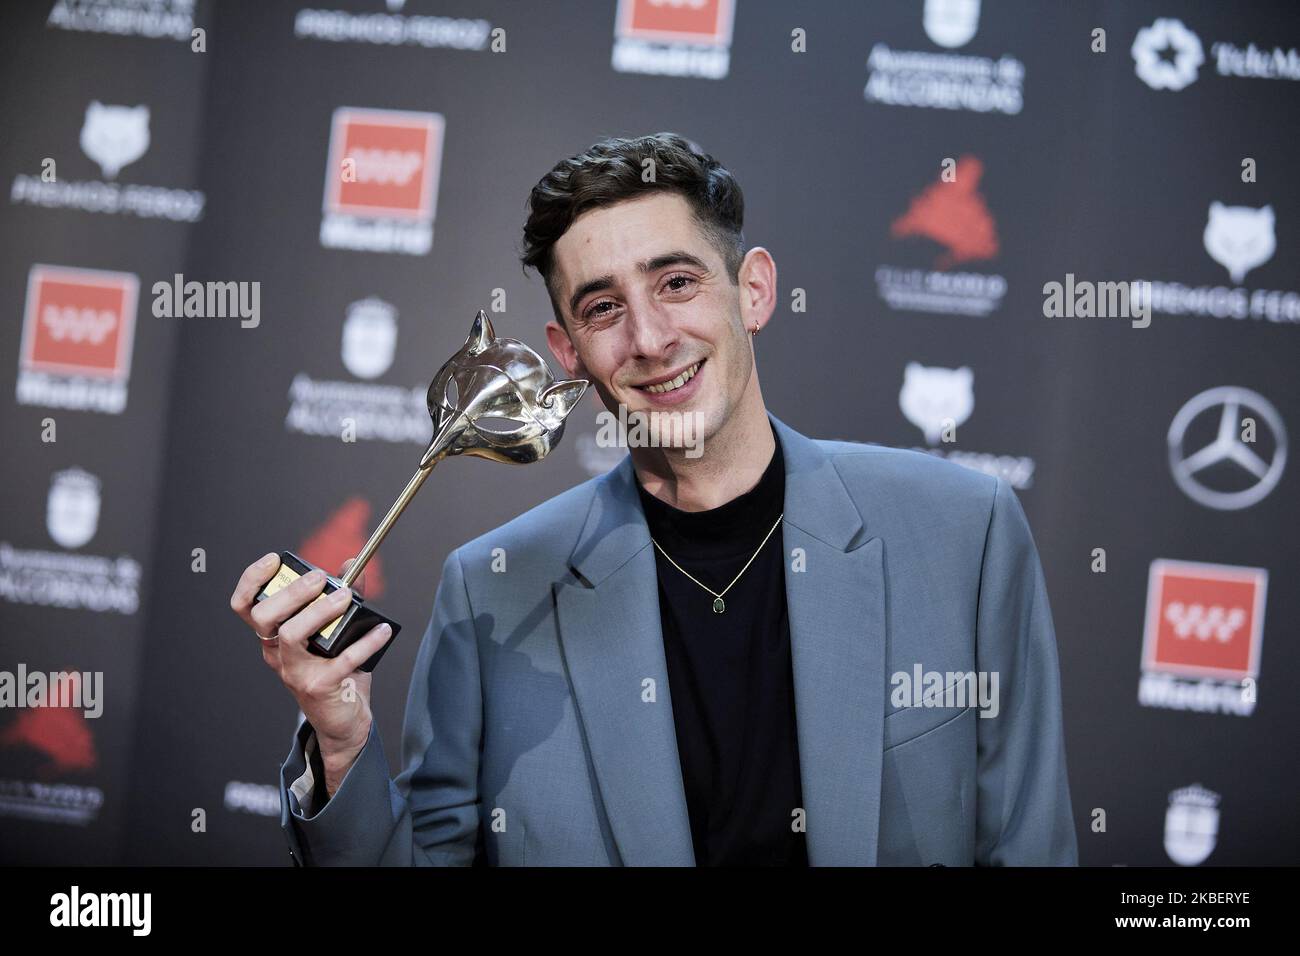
{"x": 1227, "y": 446}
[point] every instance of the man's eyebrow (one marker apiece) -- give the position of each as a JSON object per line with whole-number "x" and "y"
{"x": 675, "y": 258}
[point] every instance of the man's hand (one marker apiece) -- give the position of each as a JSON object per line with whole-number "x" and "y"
{"x": 332, "y": 694}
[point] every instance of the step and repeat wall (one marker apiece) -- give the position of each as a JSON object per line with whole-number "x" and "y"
{"x": 1055, "y": 242}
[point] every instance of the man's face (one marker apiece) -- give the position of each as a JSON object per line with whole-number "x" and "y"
{"x": 648, "y": 304}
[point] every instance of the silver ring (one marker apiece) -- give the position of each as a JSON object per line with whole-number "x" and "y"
{"x": 273, "y": 639}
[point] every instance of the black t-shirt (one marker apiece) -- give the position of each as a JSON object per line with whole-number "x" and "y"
{"x": 730, "y": 674}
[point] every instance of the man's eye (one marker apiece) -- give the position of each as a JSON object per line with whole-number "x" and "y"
{"x": 682, "y": 279}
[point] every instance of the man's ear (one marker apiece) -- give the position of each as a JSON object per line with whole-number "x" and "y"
{"x": 557, "y": 337}
{"x": 757, "y": 280}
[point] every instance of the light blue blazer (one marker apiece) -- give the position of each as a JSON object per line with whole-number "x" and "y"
{"x": 539, "y": 723}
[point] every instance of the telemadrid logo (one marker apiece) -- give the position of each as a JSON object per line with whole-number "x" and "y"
{"x": 1167, "y": 55}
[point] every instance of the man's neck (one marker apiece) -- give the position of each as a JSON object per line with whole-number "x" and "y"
{"x": 733, "y": 461}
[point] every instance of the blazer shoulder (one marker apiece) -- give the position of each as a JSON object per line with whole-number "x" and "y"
{"x": 548, "y": 529}
{"x": 902, "y": 477}
{"x": 863, "y": 460}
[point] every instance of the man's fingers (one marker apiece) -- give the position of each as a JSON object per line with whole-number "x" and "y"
{"x": 268, "y": 615}
{"x": 313, "y": 617}
{"x": 251, "y": 581}
{"x": 359, "y": 652}
{"x": 271, "y": 654}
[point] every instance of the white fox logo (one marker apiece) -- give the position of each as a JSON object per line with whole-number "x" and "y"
{"x": 115, "y": 136}
{"x": 932, "y": 398}
{"x": 1240, "y": 238}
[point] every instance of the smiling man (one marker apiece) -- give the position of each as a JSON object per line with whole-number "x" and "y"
{"x": 690, "y": 659}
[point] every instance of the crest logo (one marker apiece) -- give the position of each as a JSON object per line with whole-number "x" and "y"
{"x": 951, "y": 23}
{"x": 369, "y": 337}
{"x": 1191, "y": 824}
{"x": 72, "y": 508}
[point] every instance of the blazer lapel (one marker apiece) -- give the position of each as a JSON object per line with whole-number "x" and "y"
{"x": 610, "y": 632}
{"x": 837, "y": 643}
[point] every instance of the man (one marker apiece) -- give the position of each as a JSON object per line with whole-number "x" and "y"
{"x": 696, "y": 658}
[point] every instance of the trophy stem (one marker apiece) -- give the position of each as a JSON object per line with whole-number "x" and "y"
{"x": 385, "y": 526}
{"x": 432, "y": 455}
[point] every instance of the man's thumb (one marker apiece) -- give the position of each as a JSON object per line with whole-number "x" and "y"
{"x": 359, "y": 585}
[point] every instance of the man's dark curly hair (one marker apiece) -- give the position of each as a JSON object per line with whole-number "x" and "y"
{"x": 615, "y": 170}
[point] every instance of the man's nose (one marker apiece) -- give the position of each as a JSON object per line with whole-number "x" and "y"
{"x": 653, "y": 335}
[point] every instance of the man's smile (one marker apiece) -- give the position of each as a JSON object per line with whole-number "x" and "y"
{"x": 675, "y": 387}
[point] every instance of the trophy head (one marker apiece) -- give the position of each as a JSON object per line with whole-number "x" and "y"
{"x": 496, "y": 398}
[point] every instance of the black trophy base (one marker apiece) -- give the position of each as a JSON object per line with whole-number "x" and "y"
{"x": 344, "y": 631}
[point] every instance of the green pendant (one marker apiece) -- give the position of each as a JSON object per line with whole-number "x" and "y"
{"x": 719, "y": 605}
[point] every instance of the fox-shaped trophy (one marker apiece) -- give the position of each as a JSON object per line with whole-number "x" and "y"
{"x": 495, "y": 398}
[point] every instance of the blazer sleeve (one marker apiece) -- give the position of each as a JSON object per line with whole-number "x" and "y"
{"x": 429, "y": 814}
{"x": 1024, "y": 815}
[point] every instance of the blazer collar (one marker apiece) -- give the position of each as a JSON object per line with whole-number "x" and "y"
{"x": 816, "y": 502}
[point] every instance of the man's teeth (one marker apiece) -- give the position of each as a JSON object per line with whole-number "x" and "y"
{"x": 677, "y": 382}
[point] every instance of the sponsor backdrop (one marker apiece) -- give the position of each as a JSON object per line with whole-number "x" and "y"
{"x": 1052, "y": 242}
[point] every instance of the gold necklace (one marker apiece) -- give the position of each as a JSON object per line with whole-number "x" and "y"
{"x": 719, "y": 605}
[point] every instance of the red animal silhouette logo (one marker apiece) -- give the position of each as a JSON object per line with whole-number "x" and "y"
{"x": 954, "y": 215}
{"x": 341, "y": 537}
{"x": 61, "y": 734}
